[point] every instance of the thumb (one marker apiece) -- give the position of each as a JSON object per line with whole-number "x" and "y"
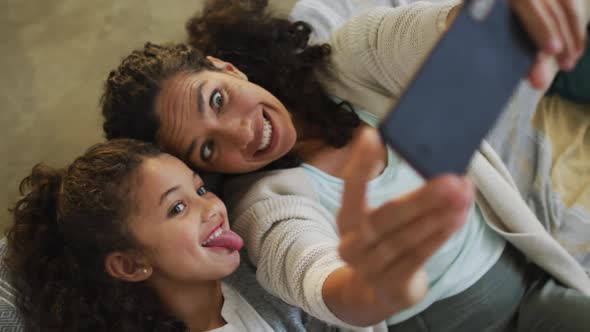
{"x": 364, "y": 158}
{"x": 542, "y": 72}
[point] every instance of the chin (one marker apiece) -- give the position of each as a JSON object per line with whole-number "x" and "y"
{"x": 231, "y": 264}
{"x": 235, "y": 259}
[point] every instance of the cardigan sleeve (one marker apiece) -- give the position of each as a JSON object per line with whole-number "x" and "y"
{"x": 375, "y": 54}
{"x": 289, "y": 236}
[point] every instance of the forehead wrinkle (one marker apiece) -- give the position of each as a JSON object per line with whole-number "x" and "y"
{"x": 181, "y": 106}
{"x": 165, "y": 104}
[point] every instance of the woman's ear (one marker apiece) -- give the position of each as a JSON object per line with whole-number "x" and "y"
{"x": 124, "y": 266}
{"x": 227, "y": 67}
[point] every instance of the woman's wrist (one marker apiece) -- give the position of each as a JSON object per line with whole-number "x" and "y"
{"x": 353, "y": 300}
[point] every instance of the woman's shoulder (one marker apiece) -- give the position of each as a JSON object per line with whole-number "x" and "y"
{"x": 375, "y": 54}
{"x": 243, "y": 191}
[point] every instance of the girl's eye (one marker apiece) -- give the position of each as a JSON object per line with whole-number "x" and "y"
{"x": 202, "y": 191}
{"x": 177, "y": 209}
{"x": 216, "y": 100}
{"x": 207, "y": 150}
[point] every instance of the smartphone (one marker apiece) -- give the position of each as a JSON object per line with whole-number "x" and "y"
{"x": 460, "y": 90}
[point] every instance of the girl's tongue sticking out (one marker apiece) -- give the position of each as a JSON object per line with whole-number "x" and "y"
{"x": 225, "y": 239}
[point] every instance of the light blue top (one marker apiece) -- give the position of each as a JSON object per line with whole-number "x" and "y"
{"x": 458, "y": 264}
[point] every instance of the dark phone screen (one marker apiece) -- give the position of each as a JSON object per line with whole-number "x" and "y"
{"x": 460, "y": 90}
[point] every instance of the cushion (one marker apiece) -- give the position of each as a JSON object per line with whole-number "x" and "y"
{"x": 10, "y": 318}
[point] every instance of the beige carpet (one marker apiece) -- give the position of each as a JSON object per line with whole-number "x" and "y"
{"x": 55, "y": 56}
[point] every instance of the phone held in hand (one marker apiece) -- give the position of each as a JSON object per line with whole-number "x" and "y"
{"x": 460, "y": 90}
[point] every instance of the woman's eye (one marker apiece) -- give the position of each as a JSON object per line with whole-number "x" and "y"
{"x": 216, "y": 100}
{"x": 202, "y": 191}
{"x": 207, "y": 150}
{"x": 177, "y": 209}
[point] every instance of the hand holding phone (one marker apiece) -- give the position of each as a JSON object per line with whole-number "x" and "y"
{"x": 460, "y": 90}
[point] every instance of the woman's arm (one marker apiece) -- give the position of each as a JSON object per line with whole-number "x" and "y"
{"x": 297, "y": 245}
{"x": 289, "y": 236}
{"x": 376, "y": 54}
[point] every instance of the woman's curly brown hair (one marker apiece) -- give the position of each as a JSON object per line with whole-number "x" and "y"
{"x": 273, "y": 53}
{"x": 128, "y": 100}
{"x": 64, "y": 227}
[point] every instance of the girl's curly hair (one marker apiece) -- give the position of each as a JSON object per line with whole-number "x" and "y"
{"x": 273, "y": 52}
{"x": 65, "y": 225}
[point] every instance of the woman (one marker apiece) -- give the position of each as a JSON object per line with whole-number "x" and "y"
{"x": 127, "y": 238}
{"x": 283, "y": 107}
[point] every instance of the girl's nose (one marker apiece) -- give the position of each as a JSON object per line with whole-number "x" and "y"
{"x": 210, "y": 212}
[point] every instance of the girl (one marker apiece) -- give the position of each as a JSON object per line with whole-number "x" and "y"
{"x": 127, "y": 238}
{"x": 416, "y": 255}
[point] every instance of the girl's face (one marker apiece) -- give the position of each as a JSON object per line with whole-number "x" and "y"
{"x": 182, "y": 227}
{"x": 219, "y": 121}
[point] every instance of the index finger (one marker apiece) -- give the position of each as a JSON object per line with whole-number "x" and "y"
{"x": 539, "y": 24}
{"x": 574, "y": 11}
{"x": 364, "y": 157}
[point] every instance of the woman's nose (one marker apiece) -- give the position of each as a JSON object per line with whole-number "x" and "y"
{"x": 240, "y": 133}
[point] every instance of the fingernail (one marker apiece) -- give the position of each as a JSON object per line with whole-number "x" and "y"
{"x": 568, "y": 65}
{"x": 555, "y": 46}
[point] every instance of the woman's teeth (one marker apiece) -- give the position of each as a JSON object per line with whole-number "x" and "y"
{"x": 266, "y": 135}
{"x": 213, "y": 236}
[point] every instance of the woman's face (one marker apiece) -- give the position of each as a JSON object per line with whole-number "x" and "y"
{"x": 182, "y": 228}
{"x": 219, "y": 121}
